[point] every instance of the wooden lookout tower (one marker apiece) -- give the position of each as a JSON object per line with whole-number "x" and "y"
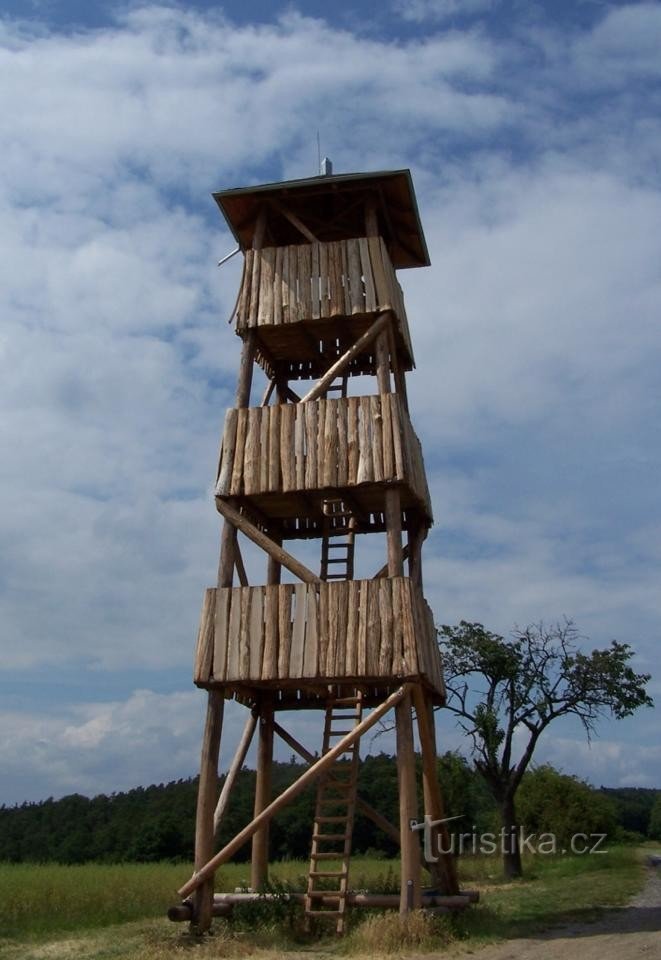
{"x": 320, "y": 302}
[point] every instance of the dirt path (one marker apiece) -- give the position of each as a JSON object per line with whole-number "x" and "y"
{"x": 630, "y": 933}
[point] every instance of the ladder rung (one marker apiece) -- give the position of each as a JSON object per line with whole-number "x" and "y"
{"x": 329, "y": 836}
{"x": 338, "y": 819}
{"x": 328, "y": 873}
{"x": 324, "y": 913}
{"x": 341, "y": 733}
{"x": 325, "y": 856}
{"x": 338, "y": 700}
{"x": 319, "y": 894}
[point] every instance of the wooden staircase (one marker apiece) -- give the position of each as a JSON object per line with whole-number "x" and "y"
{"x": 328, "y": 877}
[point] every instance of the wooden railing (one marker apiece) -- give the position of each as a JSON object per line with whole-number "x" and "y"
{"x": 315, "y": 281}
{"x": 320, "y": 444}
{"x": 370, "y": 629}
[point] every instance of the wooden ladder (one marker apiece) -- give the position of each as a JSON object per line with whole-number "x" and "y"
{"x": 328, "y": 876}
{"x": 337, "y": 545}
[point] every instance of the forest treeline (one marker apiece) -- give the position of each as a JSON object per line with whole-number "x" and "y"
{"x": 158, "y": 822}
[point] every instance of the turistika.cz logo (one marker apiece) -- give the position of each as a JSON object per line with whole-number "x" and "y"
{"x": 505, "y": 841}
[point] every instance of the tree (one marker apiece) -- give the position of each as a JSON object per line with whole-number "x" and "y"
{"x": 552, "y": 802}
{"x": 508, "y": 691}
{"x": 655, "y": 819}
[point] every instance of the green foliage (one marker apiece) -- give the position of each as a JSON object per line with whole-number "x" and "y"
{"x": 633, "y": 807}
{"x": 552, "y": 802}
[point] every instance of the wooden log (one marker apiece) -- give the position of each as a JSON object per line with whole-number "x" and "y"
{"x": 243, "y": 307}
{"x": 253, "y": 533}
{"x": 383, "y": 900}
{"x": 227, "y": 453}
{"x": 294, "y": 220}
{"x": 324, "y": 287}
{"x": 299, "y": 445}
{"x": 285, "y": 595}
{"x": 311, "y": 653}
{"x": 335, "y": 273}
{"x": 365, "y": 456}
{"x": 183, "y": 912}
{"x": 322, "y": 638}
{"x": 266, "y": 282}
{"x": 383, "y": 571}
{"x": 366, "y": 267}
{"x": 382, "y": 356}
{"x": 251, "y": 457}
{"x": 373, "y": 627}
{"x": 288, "y": 293}
{"x": 315, "y": 312}
{"x": 383, "y": 290}
{"x": 238, "y": 760}
{"x": 304, "y": 288}
{"x": 259, "y": 861}
{"x": 408, "y": 808}
{"x": 221, "y": 628}
{"x": 433, "y": 797}
{"x": 353, "y": 445}
{"x": 287, "y": 449}
{"x": 385, "y": 608}
{"x": 342, "y": 409}
{"x": 330, "y": 445}
{"x": 323, "y": 763}
{"x": 234, "y": 636}
{"x": 236, "y": 483}
{"x": 356, "y": 297}
{"x": 353, "y": 615}
{"x": 324, "y": 382}
{"x": 345, "y": 278}
{"x": 297, "y": 652}
{"x": 270, "y": 662}
{"x": 244, "y": 633}
{"x": 264, "y": 421}
{"x": 274, "y": 448}
{"x": 341, "y": 601}
{"x": 388, "y": 449}
{"x": 376, "y": 420}
{"x": 309, "y": 410}
{"x": 363, "y": 635}
{"x": 400, "y": 469}
{"x": 256, "y": 632}
{"x": 206, "y": 801}
{"x": 205, "y": 639}
{"x": 393, "y": 511}
{"x": 277, "y": 286}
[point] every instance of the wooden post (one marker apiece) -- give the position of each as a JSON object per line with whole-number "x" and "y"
{"x": 260, "y": 841}
{"x": 393, "y": 510}
{"x": 416, "y": 537}
{"x": 382, "y": 344}
{"x": 206, "y": 801}
{"x": 235, "y": 767}
{"x": 409, "y": 894}
{"x": 444, "y": 870}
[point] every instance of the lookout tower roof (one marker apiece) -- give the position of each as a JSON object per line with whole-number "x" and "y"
{"x": 332, "y": 208}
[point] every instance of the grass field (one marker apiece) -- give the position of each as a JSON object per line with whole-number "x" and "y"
{"x": 99, "y": 912}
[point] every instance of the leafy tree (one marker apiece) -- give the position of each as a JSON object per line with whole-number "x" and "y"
{"x": 552, "y": 802}
{"x": 499, "y": 688}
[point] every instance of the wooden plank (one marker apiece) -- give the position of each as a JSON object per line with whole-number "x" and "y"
{"x": 352, "y": 440}
{"x": 341, "y": 590}
{"x": 311, "y": 655}
{"x": 223, "y": 485}
{"x": 277, "y": 286}
{"x": 398, "y": 666}
{"x": 221, "y": 628}
{"x": 297, "y": 652}
{"x": 397, "y": 416}
{"x": 330, "y": 444}
{"x": 244, "y": 633}
{"x": 315, "y": 312}
{"x": 353, "y": 613}
{"x": 284, "y": 628}
{"x": 324, "y": 288}
{"x": 382, "y": 286}
{"x": 256, "y": 633}
{"x": 251, "y": 454}
{"x": 363, "y": 608}
{"x": 376, "y": 421}
{"x": 287, "y": 452}
{"x": 304, "y": 288}
{"x": 373, "y": 627}
{"x": 204, "y": 646}
{"x": 264, "y": 440}
{"x": 236, "y": 486}
{"x": 322, "y": 639}
{"x": 365, "y": 465}
{"x": 265, "y": 309}
{"x": 342, "y": 447}
{"x": 335, "y": 269}
{"x": 408, "y": 629}
{"x": 287, "y": 296}
{"x": 321, "y": 442}
{"x": 299, "y": 444}
{"x": 254, "y": 288}
{"x": 331, "y": 648}
{"x": 275, "y": 483}
{"x": 270, "y": 663}
{"x": 366, "y": 267}
{"x": 311, "y": 443}
{"x": 243, "y": 309}
{"x": 385, "y": 606}
{"x": 233, "y": 635}
{"x": 345, "y": 279}
{"x": 356, "y": 298}
{"x": 388, "y": 449}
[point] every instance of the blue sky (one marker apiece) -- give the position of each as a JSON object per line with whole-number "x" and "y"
{"x": 533, "y": 134}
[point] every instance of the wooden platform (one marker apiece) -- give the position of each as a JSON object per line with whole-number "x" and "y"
{"x": 300, "y": 637}
{"x": 278, "y": 456}
{"x": 308, "y": 300}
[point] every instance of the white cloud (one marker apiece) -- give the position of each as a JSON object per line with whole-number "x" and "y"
{"x": 421, "y": 11}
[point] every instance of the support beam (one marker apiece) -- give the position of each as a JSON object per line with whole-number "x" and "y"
{"x": 365, "y": 808}
{"x": 383, "y": 571}
{"x": 294, "y": 220}
{"x": 238, "y": 563}
{"x": 259, "y": 861}
{"x": 280, "y": 555}
{"x": 236, "y": 765}
{"x": 434, "y": 806}
{"x": 322, "y": 384}
{"x": 306, "y": 778}
{"x": 393, "y": 503}
{"x": 206, "y": 797}
{"x": 408, "y": 808}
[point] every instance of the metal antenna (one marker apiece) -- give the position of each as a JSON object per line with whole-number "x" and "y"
{"x": 318, "y": 153}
